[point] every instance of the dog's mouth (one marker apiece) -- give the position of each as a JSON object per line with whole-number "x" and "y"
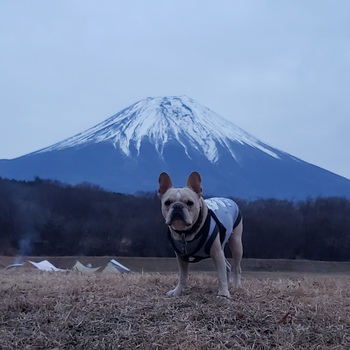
{"x": 177, "y": 216}
{"x": 177, "y": 219}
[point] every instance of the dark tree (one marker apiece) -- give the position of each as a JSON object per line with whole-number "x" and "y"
{"x": 44, "y": 217}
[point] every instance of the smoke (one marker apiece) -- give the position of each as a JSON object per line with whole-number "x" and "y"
{"x": 25, "y": 245}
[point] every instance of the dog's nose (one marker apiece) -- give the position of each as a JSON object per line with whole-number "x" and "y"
{"x": 177, "y": 207}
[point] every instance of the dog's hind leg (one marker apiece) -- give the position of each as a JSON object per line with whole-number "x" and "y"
{"x": 236, "y": 247}
{"x": 218, "y": 256}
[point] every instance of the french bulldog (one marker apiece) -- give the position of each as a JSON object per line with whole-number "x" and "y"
{"x": 199, "y": 229}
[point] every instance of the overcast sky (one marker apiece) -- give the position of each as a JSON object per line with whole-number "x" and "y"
{"x": 278, "y": 69}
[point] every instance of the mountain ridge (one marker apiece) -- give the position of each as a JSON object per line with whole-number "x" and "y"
{"x": 157, "y": 118}
{"x": 126, "y": 153}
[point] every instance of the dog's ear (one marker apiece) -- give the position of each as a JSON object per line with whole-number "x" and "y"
{"x": 194, "y": 182}
{"x": 165, "y": 183}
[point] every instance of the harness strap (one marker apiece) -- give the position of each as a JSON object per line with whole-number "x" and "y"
{"x": 201, "y": 236}
{"x": 238, "y": 220}
{"x": 211, "y": 240}
{"x": 221, "y": 227}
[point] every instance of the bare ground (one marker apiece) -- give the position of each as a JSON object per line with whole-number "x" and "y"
{"x": 103, "y": 311}
{"x": 139, "y": 264}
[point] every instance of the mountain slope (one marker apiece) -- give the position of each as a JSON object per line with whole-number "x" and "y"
{"x": 126, "y": 153}
{"x": 163, "y": 120}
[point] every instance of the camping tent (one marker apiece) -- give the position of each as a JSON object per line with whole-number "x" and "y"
{"x": 85, "y": 269}
{"x": 42, "y": 265}
{"x": 116, "y": 267}
{"x": 14, "y": 265}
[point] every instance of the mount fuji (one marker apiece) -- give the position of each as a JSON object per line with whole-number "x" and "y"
{"x": 127, "y": 152}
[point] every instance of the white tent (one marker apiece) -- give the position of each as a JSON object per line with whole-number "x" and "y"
{"x": 86, "y": 270}
{"x": 42, "y": 265}
{"x": 116, "y": 267}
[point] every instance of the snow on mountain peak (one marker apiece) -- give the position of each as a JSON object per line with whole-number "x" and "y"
{"x": 165, "y": 119}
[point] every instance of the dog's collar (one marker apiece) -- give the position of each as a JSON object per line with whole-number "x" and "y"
{"x": 187, "y": 250}
{"x": 194, "y": 228}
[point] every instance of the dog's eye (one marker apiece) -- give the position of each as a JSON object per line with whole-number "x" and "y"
{"x": 167, "y": 202}
{"x": 190, "y": 203}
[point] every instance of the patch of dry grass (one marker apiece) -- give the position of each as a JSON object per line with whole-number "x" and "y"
{"x": 70, "y": 311}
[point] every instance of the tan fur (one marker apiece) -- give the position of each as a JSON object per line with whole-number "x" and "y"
{"x": 188, "y": 200}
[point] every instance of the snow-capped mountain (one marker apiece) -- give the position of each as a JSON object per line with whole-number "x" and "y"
{"x": 126, "y": 153}
{"x": 163, "y": 120}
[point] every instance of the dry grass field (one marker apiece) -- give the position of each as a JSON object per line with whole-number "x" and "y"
{"x": 66, "y": 310}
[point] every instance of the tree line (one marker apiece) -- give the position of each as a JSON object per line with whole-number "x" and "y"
{"x": 44, "y": 217}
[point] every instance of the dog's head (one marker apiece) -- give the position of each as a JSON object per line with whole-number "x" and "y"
{"x": 181, "y": 207}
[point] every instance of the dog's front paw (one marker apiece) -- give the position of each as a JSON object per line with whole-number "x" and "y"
{"x": 224, "y": 295}
{"x": 171, "y": 293}
{"x": 174, "y": 292}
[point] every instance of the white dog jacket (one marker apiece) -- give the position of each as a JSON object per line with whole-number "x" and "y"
{"x": 223, "y": 217}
